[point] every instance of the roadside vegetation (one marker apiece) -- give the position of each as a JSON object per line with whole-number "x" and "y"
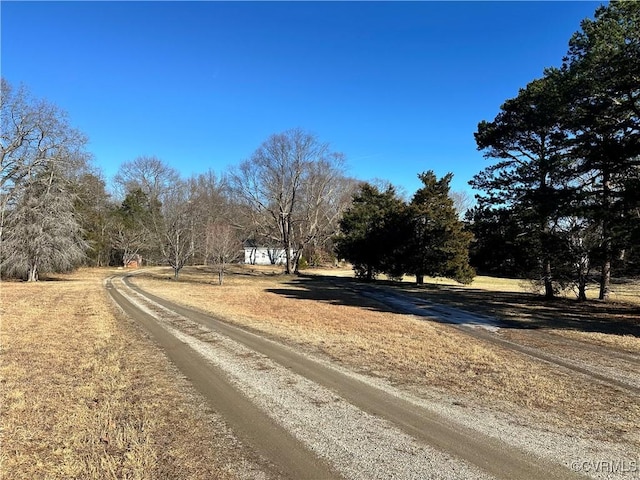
{"x": 86, "y": 395}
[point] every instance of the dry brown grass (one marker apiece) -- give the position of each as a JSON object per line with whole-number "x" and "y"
{"x": 621, "y": 291}
{"x": 409, "y": 352}
{"x": 615, "y": 323}
{"x": 628, "y": 343}
{"x": 85, "y": 395}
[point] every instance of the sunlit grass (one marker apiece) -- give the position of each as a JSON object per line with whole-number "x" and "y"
{"x": 84, "y": 395}
{"x": 401, "y": 348}
{"x": 620, "y": 291}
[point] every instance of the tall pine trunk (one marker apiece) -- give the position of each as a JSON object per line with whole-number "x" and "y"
{"x": 583, "y": 274}
{"x": 546, "y": 241}
{"x": 548, "y": 281}
{"x": 605, "y": 276}
{"x": 605, "y": 280}
{"x": 582, "y": 288}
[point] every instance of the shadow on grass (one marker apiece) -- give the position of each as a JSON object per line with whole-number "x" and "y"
{"x": 45, "y": 279}
{"x": 238, "y": 270}
{"x": 514, "y": 309}
{"x": 205, "y": 274}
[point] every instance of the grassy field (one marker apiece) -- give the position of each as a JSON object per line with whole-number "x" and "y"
{"x": 621, "y": 291}
{"x": 615, "y": 323}
{"x": 86, "y": 396}
{"x": 418, "y": 355}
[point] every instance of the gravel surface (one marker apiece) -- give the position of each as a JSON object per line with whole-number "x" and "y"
{"x": 360, "y": 445}
{"x": 357, "y": 444}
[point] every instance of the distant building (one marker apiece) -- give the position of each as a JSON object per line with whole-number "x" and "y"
{"x": 134, "y": 262}
{"x": 264, "y": 255}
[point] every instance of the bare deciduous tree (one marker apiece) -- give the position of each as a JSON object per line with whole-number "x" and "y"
{"x": 40, "y": 154}
{"x": 224, "y": 245}
{"x": 150, "y": 174}
{"x": 43, "y": 234}
{"x": 210, "y": 204}
{"x": 175, "y": 231}
{"x": 128, "y": 241}
{"x": 35, "y": 134}
{"x": 325, "y": 195}
{"x": 280, "y": 186}
{"x": 462, "y": 201}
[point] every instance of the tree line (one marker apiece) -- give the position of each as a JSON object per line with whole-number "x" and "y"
{"x": 57, "y": 213}
{"x": 291, "y": 195}
{"x": 382, "y": 233}
{"x": 563, "y": 200}
{"x": 561, "y": 203}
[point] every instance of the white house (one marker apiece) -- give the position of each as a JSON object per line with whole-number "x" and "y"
{"x": 265, "y": 256}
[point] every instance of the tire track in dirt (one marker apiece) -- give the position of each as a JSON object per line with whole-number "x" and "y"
{"x": 491, "y": 455}
{"x": 251, "y": 424}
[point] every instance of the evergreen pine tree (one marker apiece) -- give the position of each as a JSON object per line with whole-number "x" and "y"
{"x": 437, "y": 245}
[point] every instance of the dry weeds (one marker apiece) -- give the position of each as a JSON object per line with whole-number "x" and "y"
{"x": 409, "y": 352}
{"x": 86, "y": 396}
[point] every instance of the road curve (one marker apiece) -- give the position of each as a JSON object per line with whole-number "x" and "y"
{"x": 492, "y": 456}
{"x": 250, "y": 424}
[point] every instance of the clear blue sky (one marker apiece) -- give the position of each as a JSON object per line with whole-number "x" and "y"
{"x": 399, "y": 88}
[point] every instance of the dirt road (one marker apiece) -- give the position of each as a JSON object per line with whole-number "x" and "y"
{"x": 312, "y": 419}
